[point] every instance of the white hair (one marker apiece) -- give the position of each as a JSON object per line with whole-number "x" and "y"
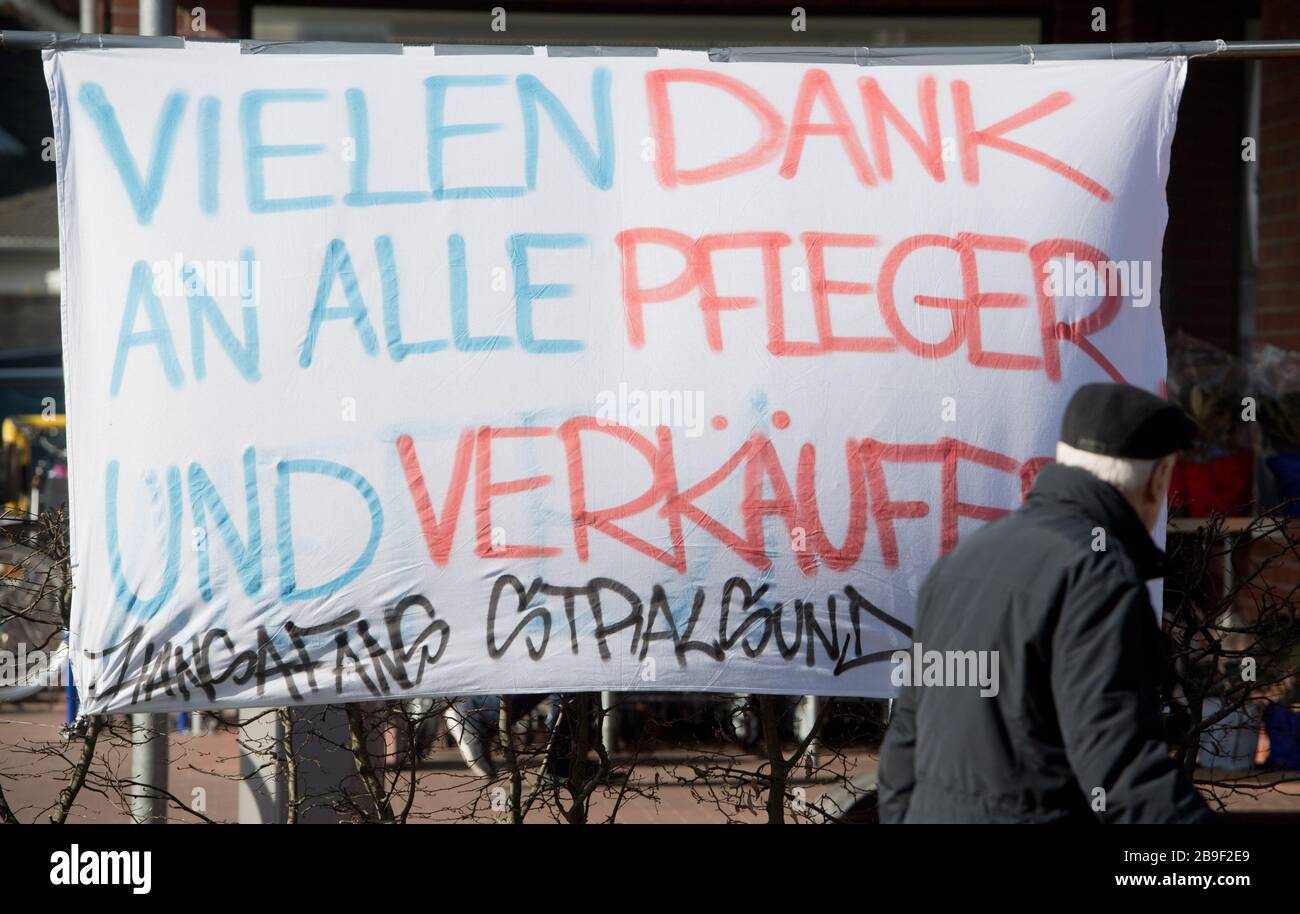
{"x": 1127, "y": 474}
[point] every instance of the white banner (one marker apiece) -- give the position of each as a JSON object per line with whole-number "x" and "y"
{"x": 408, "y": 374}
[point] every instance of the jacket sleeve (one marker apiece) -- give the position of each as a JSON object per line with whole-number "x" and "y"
{"x": 896, "y": 775}
{"x": 1106, "y": 659}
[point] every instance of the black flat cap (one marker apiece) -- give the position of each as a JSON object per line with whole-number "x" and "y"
{"x": 1120, "y": 420}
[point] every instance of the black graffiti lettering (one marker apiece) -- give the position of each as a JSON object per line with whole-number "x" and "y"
{"x": 155, "y": 669}
{"x": 184, "y": 671}
{"x": 751, "y": 599}
{"x": 384, "y": 661}
{"x": 229, "y": 644}
{"x": 142, "y": 678}
{"x": 524, "y": 597}
{"x": 305, "y": 661}
{"x": 393, "y": 621}
{"x": 659, "y": 607}
{"x": 859, "y": 604}
{"x": 787, "y": 651}
{"x": 379, "y": 658}
{"x": 394, "y": 662}
{"x": 816, "y": 633}
{"x": 712, "y": 649}
{"x": 266, "y": 650}
{"x": 634, "y": 619}
{"x": 844, "y": 664}
{"x": 802, "y": 631}
{"x": 243, "y": 667}
{"x": 570, "y": 615}
{"x": 301, "y": 636}
{"x": 345, "y": 656}
{"x": 159, "y": 677}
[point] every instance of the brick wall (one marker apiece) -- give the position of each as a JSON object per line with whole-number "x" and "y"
{"x": 1200, "y": 292}
{"x": 1278, "y": 277}
{"x": 1206, "y": 178}
{"x": 222, "y": 18}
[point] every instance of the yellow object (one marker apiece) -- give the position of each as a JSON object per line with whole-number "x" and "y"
{"x": 16, "y": 435}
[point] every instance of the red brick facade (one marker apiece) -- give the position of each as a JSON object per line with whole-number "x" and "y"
{"x": 1278, "y": 278}
{"x": 220, "y": 19}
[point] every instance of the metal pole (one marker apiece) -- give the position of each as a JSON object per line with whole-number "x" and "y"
{"x": 811, "y": 709}
{"x": 149, "y": 767}
{"x": 87, "y": 22}
{"x": 157, "y": 17}
{"x": 150, "y": 752}
{"x": 154, "y": 13}
{"x": 608, "y": 726}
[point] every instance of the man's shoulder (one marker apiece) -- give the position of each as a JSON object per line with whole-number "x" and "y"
{"x": 1024, "y": 533}
{"x": 1028, "y": 545}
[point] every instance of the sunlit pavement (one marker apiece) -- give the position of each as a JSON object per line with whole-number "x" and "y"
{"x": 205, "y": 775}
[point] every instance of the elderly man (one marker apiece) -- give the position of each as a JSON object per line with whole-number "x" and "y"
{"x": 1058, "y": 590}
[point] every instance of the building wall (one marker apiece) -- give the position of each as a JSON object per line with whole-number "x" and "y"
{"x": 1200, "y": 292}
{"x": 221, "y": 18}
{"x": 1278, "y": 276}
{"x": 34, "y": 273}
{"x": 30, "y": 322}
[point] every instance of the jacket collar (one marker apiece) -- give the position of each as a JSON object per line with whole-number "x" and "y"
{"x": 1101, "y": 503}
